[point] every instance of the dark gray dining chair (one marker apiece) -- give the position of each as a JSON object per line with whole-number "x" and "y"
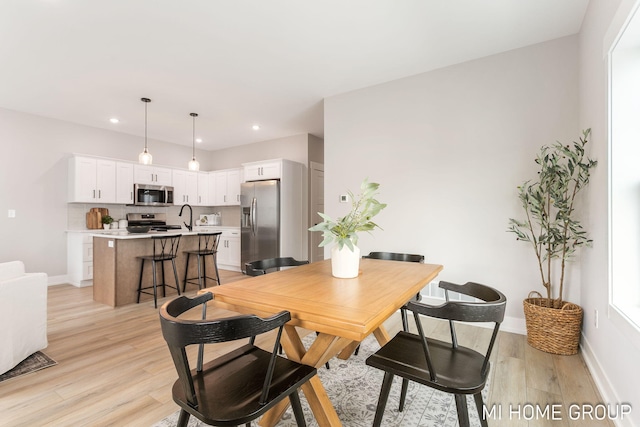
{"x": 239, "y": 386}
{"x": 443, "y": 365}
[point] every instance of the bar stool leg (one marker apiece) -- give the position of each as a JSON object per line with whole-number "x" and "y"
{"x": 155, "y": 294}
{"x": 215, "y": 265}
{"x": 199, "y": 260}
{"x": 175, "y": 275}
{"x": 140, "y": 281}
{"x": 186, "y": 272}
{"x": 164, "y": 281}
{"x": 204, "y": 271}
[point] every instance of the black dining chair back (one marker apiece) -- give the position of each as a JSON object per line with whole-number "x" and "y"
{"x": 443, "y": 365}
{"x": 239, "y": 386}
{"x": 394, "y": 256}
{"x": 264, "y": 266}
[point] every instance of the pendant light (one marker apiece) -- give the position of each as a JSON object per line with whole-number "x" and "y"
{"x": 145, "y": 157}
{"x": 193, "y": 163}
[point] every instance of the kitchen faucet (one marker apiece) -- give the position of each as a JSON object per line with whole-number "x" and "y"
{"x": 190, "y": 225}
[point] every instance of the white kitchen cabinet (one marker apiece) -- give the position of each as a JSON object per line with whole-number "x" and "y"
{"x": 147, "y": 174}
{"x": 80, "y": 259}
{"x": 124, "y": 183}
{"x": 259, "y": 171}
{"x": 229, "y": 250}
{"x": 228, "y": 246}
{"x": 225, "y": 187}
{"x": 185, "y": 187}
{"x": 92, "y": 180}
{"x": 203, "y": 189}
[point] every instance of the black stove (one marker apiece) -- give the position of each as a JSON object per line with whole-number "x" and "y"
{"x": 157, "y": 221}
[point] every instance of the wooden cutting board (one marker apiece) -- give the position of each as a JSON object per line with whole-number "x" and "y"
{"x": 94, "y": 217}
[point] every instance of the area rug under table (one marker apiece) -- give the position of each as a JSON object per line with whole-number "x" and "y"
{"x": 354, "y": 388}
{"x": 35, "y": 362}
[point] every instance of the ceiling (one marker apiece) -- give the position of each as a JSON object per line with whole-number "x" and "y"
{"x": 242, "y": 62}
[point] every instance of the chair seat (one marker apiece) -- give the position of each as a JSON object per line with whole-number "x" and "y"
{"x": 157, "y": 257}
{"x": 228, "y": 388}
{"x": 200, "y": 252}
{"x": 458, "y": 372}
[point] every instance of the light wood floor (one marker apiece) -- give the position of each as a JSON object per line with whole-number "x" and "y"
{"x": 114, "y": 370}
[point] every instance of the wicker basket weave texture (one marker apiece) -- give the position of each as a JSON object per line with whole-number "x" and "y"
{"x": 553, "y": 330}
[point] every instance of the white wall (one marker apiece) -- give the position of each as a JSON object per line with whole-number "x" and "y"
{"x": 611, "y": 350}
{"x": 449, "y": 148}
{"x": 291, "y": 147}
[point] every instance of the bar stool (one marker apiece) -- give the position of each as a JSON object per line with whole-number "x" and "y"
{"x": 165, "y": 248}
{"x": 207, "y": 246}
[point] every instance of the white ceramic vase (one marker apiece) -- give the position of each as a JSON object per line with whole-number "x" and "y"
{"x": 345, "y": 263}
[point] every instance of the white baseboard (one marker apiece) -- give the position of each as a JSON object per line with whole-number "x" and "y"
{"x": 607, "y": 392}
{"x": 57, "y": 280}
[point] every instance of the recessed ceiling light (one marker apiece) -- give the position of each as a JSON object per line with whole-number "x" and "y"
{"x": 255, "y": 127}
{"x": 198, "y": 140}
{"x": 114, "y": 120}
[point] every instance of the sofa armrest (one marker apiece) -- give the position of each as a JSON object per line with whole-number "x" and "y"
{"x": 11, "y": 270}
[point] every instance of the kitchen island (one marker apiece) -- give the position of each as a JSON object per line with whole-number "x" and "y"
{"x": 116, "y": 267}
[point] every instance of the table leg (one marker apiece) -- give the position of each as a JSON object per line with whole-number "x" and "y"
{"x": 381, "y": 335}
{"x": 322, "y": 349}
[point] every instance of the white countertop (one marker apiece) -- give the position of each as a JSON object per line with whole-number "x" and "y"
{"x": 124, "y": 234}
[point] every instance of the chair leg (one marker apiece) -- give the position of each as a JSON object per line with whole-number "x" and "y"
{"x": 175, "y": 275}
{"x": 183, "y": 419}
{"x": 200, "y": 270}
{"x": 297, "y": 409}
{"x": 480, "y": 405}
{"x": 403, "y": 394}
{"x": 204, "y": 271}
{"x": 461, "y": 406}
{"x": 140, "y": 281}
{"x": 405, "y": 320}
{"x": 155, "y": 293}
{"x": 215, "y": 266}
{"x": 164, "y": 281}
{"x": 186, "y": 272}
{"x": 382, "y": 400}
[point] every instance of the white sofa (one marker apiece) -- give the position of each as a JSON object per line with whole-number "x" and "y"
{"x": 23, "y": 314}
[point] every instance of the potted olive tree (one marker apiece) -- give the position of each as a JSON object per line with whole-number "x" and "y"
{"x": 552, "y": 228}
{"x": 345, "y": 255}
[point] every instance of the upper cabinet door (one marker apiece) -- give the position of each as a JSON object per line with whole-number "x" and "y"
{"x": 106, "y": 181}
{"x": 259, "y": 171}
{"x": 92, "y": 180}
{"x": 124, "y": 183}
{"x": 203, "y": 189}
{"x": 233, "y": 187}
{"x": 146, "y": 174}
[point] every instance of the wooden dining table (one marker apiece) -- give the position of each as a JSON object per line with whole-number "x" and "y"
{"x": 343, "y": 312}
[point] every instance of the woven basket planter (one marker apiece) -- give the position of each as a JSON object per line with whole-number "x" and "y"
{"x": 553, "y": 330}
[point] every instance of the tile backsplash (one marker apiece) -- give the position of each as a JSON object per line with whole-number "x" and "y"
{"x": 76, "y": 213}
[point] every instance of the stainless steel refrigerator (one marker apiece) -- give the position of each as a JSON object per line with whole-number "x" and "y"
{"x": 260, "y": 222}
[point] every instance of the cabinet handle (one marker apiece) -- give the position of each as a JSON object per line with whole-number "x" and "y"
{"x": 99, "y": 194}
{"x": 94, "y": 194}
{"x": 131, "y": 197}
{"x": 225, "y": 198}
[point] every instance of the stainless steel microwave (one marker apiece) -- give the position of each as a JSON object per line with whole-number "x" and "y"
{"x": 152, "y": 195}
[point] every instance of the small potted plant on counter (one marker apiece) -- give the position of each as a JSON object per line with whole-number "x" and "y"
{"x": 345, "y": 255}
{"x": 552, "y": 228}
{"x": 106, "y": 221}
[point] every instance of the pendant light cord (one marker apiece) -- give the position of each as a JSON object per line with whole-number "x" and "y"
{"x": 193, "y": 144}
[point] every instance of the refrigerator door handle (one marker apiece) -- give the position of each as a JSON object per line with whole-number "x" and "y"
{"x": 254, "y": 204}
